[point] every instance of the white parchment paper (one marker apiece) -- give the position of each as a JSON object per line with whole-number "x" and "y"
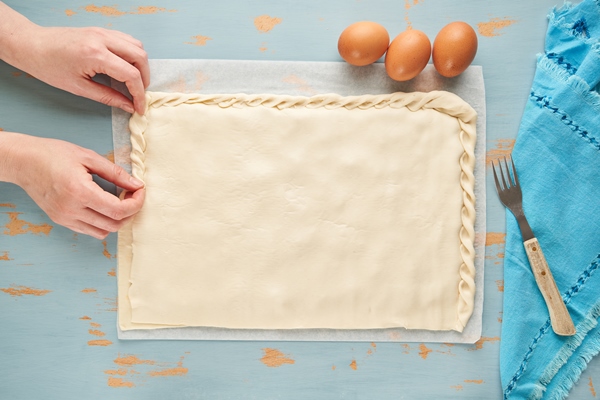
{"x": 308, "y": 79}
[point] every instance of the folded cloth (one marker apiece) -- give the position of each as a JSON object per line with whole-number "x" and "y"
{"x": 557, "y": 156}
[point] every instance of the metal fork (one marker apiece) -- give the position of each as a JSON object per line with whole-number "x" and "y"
{"x": 509, "y": 191}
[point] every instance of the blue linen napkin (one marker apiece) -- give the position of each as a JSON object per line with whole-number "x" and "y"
{"x": 557, "y": 156}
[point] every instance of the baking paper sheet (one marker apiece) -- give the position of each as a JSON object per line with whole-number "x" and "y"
{"x": 308, "y": 79}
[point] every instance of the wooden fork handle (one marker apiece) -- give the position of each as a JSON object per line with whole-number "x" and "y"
{"x": 562, "y": 324}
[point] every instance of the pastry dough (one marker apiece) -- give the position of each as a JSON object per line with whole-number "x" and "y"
{"x": 281, "y": 212}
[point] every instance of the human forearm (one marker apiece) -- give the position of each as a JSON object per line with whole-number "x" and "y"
{"x": 16, "y": 36}
{"x": 10, "y": 145}
{"x": 68, "y": 58}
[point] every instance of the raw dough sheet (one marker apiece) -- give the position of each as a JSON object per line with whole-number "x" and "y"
{"x": 308, "y": 79}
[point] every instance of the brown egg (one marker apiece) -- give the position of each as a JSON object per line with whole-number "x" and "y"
{"x": 454, "y": 49}
{"x": 407, "y": 55}
{"x": 363, "y": 43}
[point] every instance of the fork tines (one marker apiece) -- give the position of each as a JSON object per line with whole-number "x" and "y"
{"x": 511, "y": 179}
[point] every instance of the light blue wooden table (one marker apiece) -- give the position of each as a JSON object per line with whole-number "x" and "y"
{"x": 58, "y": 289}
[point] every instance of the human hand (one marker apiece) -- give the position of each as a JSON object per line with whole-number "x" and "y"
{"x": 69, "y": 58}
{"x": 57, "y": 175}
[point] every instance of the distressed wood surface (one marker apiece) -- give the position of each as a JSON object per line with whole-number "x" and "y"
{"x": 58, "y": 289}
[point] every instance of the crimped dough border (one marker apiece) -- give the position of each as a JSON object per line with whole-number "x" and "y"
{"x": 441, "y": 101}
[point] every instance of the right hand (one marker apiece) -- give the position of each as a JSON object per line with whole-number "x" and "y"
{"x": 57, "y": 175}
{"x": 68, "y": 58}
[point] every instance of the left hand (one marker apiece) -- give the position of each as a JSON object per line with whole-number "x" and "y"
{"x": 57, "y": 175}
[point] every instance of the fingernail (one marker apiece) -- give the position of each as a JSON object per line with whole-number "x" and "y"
{"x": 136, "y": 182}
{"x": 127, "y": 108}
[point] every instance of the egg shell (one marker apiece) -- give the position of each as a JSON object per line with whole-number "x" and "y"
{"x": 363, "y": 43}
{"x": 454, "y": 49}
{"x": 407, "y": 55}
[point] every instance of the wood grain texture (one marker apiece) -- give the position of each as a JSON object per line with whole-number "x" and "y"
{"x": 561, "y": 321}
{"x": 44, "y": 340}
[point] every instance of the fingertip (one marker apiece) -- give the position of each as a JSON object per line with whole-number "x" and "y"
{"x": 135, "y": 183}
{"x": 139, "y": 194}
{"x": 140, "y": 106}
{"x": 135, "y": 200}
{"x": 99, "y": 234}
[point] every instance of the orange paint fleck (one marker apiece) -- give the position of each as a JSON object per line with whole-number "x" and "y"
{"x": 85, "y": 317}
{"x": 457, "y": 387}
{"x": 263, "y": 48}
{"x": 179, "y": 86}
{"x": 264, "y": 23}
{"x": 70, "y": 12}
{"x": 130, "y": 360}
{"x": 113, "y": 11}
{"x": 372, "y": 350}
{"x": 274, "y": 358}
{"x": 424, "y": 351}
{"x": 406, "y": 348}
{"x": 480, "y": 342}
{"x": 15, "y": 290}
{"x": 111, "y": 302}
{"x": 503, "y": 149}
{"x": 447, "y": 352}
{"x": 475, "y": 381}
{"x": 7, "y": 205}
{"x": 493, "y": 26}
{"x": 395, "y": 336}
{"x": 121, "y": 154}
{"x": 17, "y": 226}
{"x": 110, "y": 156}
{"x": 16, "y": 74}
{"x": 333, "y": 367}
{"x": 127, "y": 362}
{"x": 149, "y": 10}
{"x": 300, "y": 84}
{"x": 105, "y": 252}
{"x": 408, "y": 4}
{"x": 107, "y": 11}
{"x": 119, "y": 382}
{"x": 120, "y": 371}
{"x": 177, "y": 371}
{"x": 4, "y": 256}
{"x": 199, "y": 40}
{"x": 353, "y": 365}
{"x": 495, "y": 238}
{"x": 591, "y": 385}
{"x": 96, "y": 332}
{"x": 95, "y": 324}
{"x": 100, "y": 342}
{"x": 500, "y": 285}
{"x": 89, "y": 290}
{"x": 112, "y": 272}
{"x": 200, "y": 79}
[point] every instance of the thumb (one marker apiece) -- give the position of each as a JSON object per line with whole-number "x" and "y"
{"x": 113, "y": 173}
